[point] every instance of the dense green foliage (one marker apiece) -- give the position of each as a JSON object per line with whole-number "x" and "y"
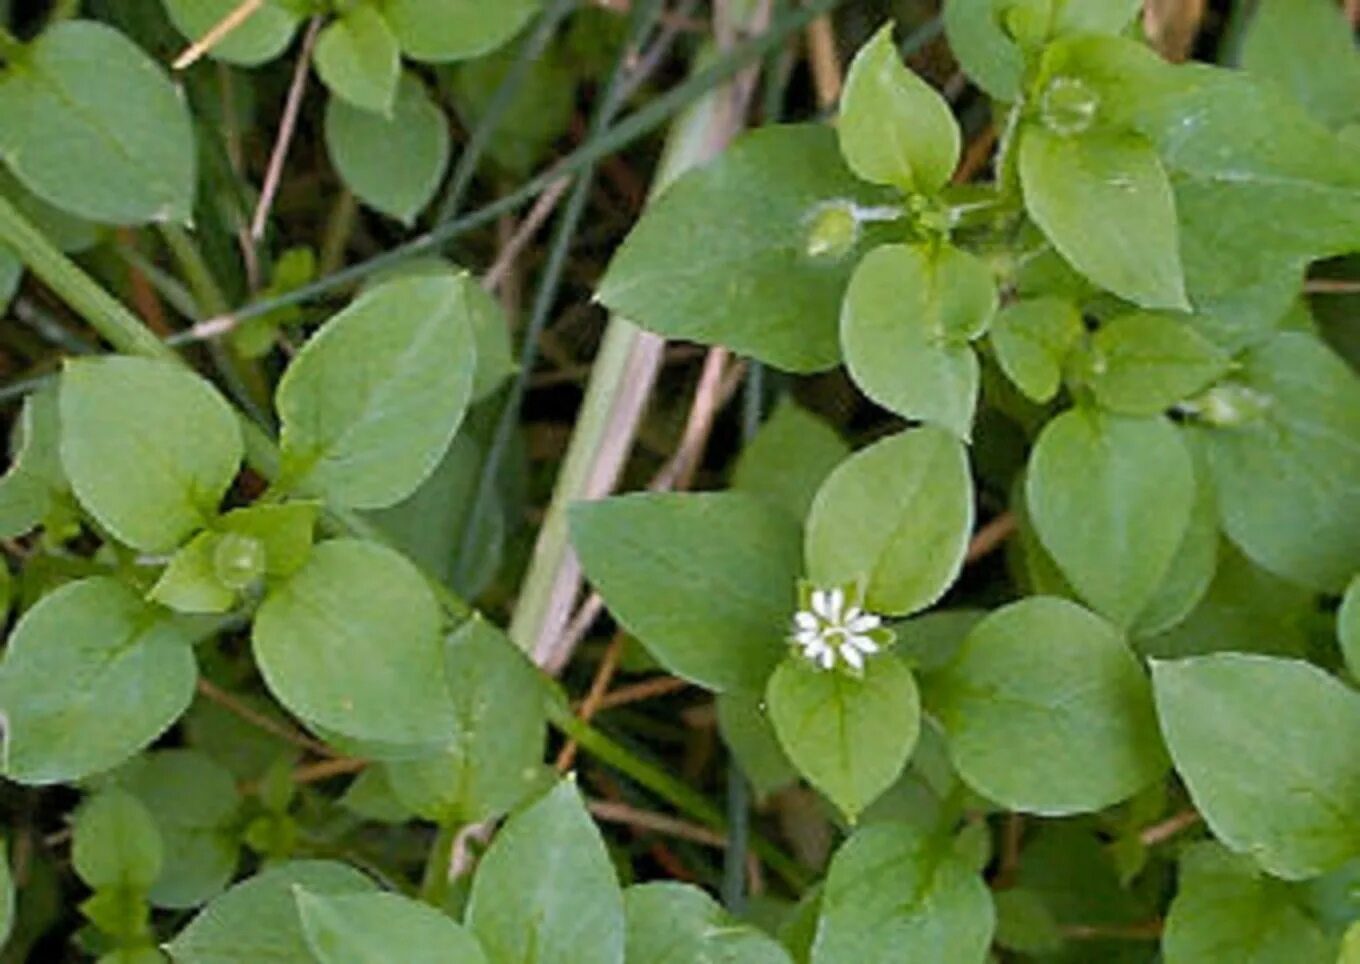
{"x": 1018, "y": 617}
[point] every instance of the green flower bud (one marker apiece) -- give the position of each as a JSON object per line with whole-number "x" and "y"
{"x": 238, "y": 560}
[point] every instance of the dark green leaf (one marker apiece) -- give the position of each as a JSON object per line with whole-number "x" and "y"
{"x": 92, "y": 674}
{"x": 670, "y": 923}
{"x": 706, "y": 582}
{"x": 894, "y": 894}
{"x": 443, "y": 30}
{"x": 116, "y": 843}
{"x": 546, "y": 893}
{"x": 257, "y": 920}
{"x": 1144, "y": 363}
{"x": 1226, "y": 909}
{"x": 91, "y": 124}
{"x": 372, "y": 402}
{"x": 752, "y": 251}
{"x": 1048, "y": 711}
{"x": 366, "y": 928}
{"x": 1111, "y": 497}
{"x": 357, "y": 58}
{"x": 1231, "y": 718}
{"x": 260, "y": 38}
{"x": 362, "y": 144}
{"x": 1032, "y": 339}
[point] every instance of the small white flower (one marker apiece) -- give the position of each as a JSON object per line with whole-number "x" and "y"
{"x": 832, "y": 629}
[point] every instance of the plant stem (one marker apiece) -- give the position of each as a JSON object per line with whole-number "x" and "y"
{"x": 434, "y": 885}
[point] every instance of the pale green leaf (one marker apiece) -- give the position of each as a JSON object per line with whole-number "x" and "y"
{"x": 1245, "y": 161}
{"x": 1105, "y": 203}
{"x": 987, "y": 53}
{"x": 1266, "y": 747}
{"x": 789, "y": 458}
{"x": 352, "y": 642}
{"x": 116, "y": 843}
{"x": 441, "y": 30}
{"x": 1308, "y": 47}
{"x": 190, "y": 582}
{"x": 672, "y": 923}
{"x": 1093, "y": 16}
{"x": 371, "y": 403}
{"x": 849, "y": 735}
{"x": 357, "y": 58}
{"x": 895, "y": 129}
{"x": 895, "y": 518}
{"x": 1032, "y": 339}
{"x": 752, "y": 251}
{"x": 1110, "y": 497}
{"x": 908, "y": 315}
{"x": 91, "y": 675}
{"x": 257, "y": 920}
{"x": 369, "y": 928}
{"x": 706, "y": 582}
{"x": 1192, "y": 568}
{"x": 362, "y": 145}
{"x": 1225, "y": 909}
{"x": 263, "y": 35}
{"x": 283, "y": 530}
{"x": 150, "y": 448}
{"x": 89, "y": 123}
{"x": 1284, "y": 451}
{"x": 193, "y": 801}
{"x": 896, "y": 894}
{"x": 490, "y": 759}
{"x": 1048, "y": 711}
{"x": 546, "y": 892}
{"x": 1143, "y": 363}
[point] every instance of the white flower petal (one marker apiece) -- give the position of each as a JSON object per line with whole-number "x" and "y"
{"x": 852, "y": 656}
{"x": 821, "y": 604}
{"x": 837, "y": 605}
{"x": 863, "y": 623}
{"x": 827, "y": 658}
{"x": 807, "y": 637}
{"x": 805, "y": 620}
{"x": 863, "y": 643}
{"x": 851, "y": 614}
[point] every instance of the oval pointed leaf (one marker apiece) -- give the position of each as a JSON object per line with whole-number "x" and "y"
{"x": 442, "y": 30}
{"x": 1033, "y": 339}
{"x": 1266, "y": 747}
{"x": 722, "y": 257}
{"x": 706, "y": 582}
{"x": 490, "y": 759}
{"x": 546, "y": 892}
{"x": 905, "y": 325}
{"x": 1048, "y": 711}
{"x": 92, "y": 674}
{"x": 1285, "y": 461}
{"x": 258, "y": 920}
{"x": 895, "y": 894}
{"x": 1111, "y": 497}
{"x": 671, "y": 923}
{"x": 351, "y": 642}
{"x": 894, "y": 518}
{"x": 850, "y": 736}
{"x": 115, "y": 843}
{"x": 1106, "y": 204}
{"x": 986, "y": 52}
{"x": 361, "y": 928}
{"x": 1143, "y": 363}
{"x": 371, "y": 403}
{"x": 358, "y": 59}
{"x": 894, "y": 128}
{"x": 260, "y": 38}
{"x": 91, "y": 124}
{"x": 363, "y": 143}
{"x": 150, "y": 448}
{"x": 1226, "y": 909}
